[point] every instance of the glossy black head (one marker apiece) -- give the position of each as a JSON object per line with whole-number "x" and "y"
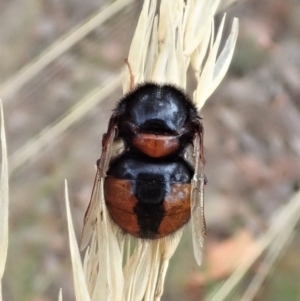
{"x": 158, "y": 108}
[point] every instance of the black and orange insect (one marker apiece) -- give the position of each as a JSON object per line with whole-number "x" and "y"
{"x": 151, "y": 170}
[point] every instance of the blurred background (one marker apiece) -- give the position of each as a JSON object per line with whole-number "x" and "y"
{"x": 252, "y": 141}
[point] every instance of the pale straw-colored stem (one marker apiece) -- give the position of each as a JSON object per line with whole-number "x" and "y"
{"x": 161, "y": 51}
{"x": 60, "y": 298}
{"x": 80, "y": 287}
{"x": 4, "y": 199}
{"x": 59, "y": 126}
{"x": 267, "y": 264}
{"x": 60, "y": 46}
{"x": 287, "y": 217}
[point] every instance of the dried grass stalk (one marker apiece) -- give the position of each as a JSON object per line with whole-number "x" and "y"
{"x": 80, "y": 287}
{"x": 283, "y": 223}
{"x": 267, "y": 264}
{"x": 60, "y": 298}
{"x": 59, "y": 47}
{"x": 59, "y": 126}
{"x": 4, "y": 198}
{"x": 181, "y": 33}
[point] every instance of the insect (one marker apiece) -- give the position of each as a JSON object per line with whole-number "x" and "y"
{"x": 151, "y": 170}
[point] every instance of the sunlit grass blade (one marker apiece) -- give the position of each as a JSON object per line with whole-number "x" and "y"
{"x": 215, "y": 68}
{"x": 168, "y": 247}
{"x": 286, "y": 217}
{"x": 53, "y": 130}
{"x": 267, "y": 264}
{"x": 60, "y": 298}
{"x": 4, "y": 198}
{"x": 80, "y": 287}
{"x": 164, "y": 57}
{"x": 59, "y": 47}
{"x": 199, "y": 15}
{"x": 226, "y": 3}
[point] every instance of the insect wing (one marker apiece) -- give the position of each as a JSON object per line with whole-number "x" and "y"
{"x": 96, "y": 204}
{"x": 197, "y": 199}
{"x": 90, "y": 216}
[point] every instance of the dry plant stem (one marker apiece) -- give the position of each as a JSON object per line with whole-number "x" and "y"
{"x": 52, "y": 131}
{"x": 150, "y": 291}
{"x": 4, "y": 199}
{"x": 287, "y": 217}
{"x": 171, "y": 46}
{"x": 60, "y": 298}
{"x": 80, "y": 287}
{"x": 276, "y": 249}
{"x": 130, "y": 289}
{"x": 169, "y": 40}
{"x": 226, "y": 3}
{"x": 59, "y": 47}
{"x": 215, "y": 68}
